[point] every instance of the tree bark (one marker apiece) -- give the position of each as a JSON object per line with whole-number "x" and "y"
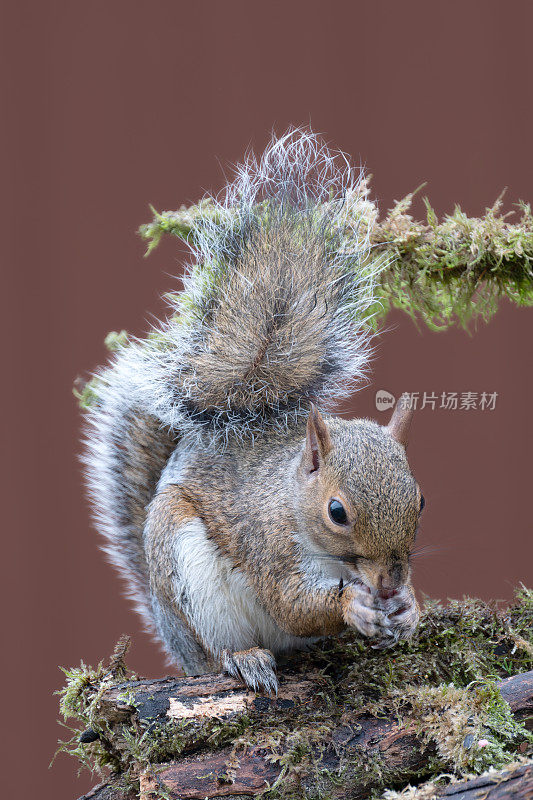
{"x": 108, "y": 791}
{"x": 515, "y": 784}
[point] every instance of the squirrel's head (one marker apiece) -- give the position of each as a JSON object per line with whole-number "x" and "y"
{"x": 357, "y": 501}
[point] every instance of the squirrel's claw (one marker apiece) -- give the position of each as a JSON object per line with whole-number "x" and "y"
{"x": 402, "y": 614}
{"x": 387, "y": 640}
{"x": 384, "y": 644}
{"x": 255, "y": 667}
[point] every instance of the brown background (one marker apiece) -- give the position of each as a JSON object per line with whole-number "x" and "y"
{"x": 109, "y": 106}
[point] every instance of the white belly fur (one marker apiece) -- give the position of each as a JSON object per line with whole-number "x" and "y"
{"x": 221, "y": 606}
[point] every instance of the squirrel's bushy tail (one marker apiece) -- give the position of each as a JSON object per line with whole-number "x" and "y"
{"x": 273, "y": 312}
{"x": 272, "y": 317}
{"x": 126, "y": 450}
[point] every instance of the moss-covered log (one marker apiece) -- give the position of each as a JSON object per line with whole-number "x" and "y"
{"x": 384, "y": 742}
{"x": 348, "y": 720}
{"x": 220, "y": 696}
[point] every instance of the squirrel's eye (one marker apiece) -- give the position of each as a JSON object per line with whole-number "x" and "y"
{"x": 422, "y": 502}
{"x": 337, "y": 512}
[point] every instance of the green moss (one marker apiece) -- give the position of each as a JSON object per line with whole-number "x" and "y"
{"x": 86, "y": 391}
{"x": 457, "y": 269}
{"x": 458, "y": 643}
{"x": 115, "y": 341}
{"x": 473, "y": 728}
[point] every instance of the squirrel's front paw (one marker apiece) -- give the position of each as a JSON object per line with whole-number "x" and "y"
{"x": 256, "y": 667}
{"x": 403, "y": 613}
{"x": 360, "y": 611}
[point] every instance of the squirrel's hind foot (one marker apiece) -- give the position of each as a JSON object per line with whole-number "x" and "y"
{"x": 255, "y": 667}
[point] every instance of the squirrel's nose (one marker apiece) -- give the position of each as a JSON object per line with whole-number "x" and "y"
{"x": 387, "y": 584}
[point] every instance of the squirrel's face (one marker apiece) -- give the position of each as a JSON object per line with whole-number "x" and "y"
{"x": 357, "y": 501}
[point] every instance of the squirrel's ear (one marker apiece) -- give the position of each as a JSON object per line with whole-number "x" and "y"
{"x": 400, "y": 421}
{"x": 317, "y": 442}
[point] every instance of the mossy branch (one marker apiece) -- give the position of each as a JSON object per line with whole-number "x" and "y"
{"x": 444, "y": 273}
{"x": 347, "y": 721}
{"x": 441, "y": 271}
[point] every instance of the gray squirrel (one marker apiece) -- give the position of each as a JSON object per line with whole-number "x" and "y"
{"x": 246, "y": 521}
